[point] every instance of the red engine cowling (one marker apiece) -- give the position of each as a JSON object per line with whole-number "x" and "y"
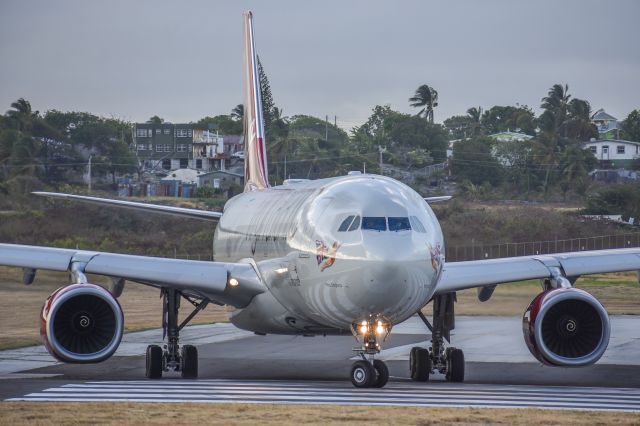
{"x": 81, "y": 323}
{"x": 566, "y": 327}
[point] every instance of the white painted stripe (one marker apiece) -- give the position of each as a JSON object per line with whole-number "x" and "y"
{"x": 340, "y": 393}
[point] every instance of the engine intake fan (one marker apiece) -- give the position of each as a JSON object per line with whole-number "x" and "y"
{"x": 566, "y": 327}
{"x": 81, "y": 323}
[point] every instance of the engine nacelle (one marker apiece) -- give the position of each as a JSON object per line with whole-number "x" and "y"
{"x": 566, "y": 327}
{"x": 81, "y": 323}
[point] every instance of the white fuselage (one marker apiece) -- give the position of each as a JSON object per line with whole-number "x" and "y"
{"x": 322, "y": 278}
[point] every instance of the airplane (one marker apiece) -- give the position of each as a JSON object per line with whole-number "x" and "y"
{"x": 349, "y": 255}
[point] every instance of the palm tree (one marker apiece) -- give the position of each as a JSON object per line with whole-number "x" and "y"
{"x": 238, "y": 112}
{"x": 426, "y": 98}
{"x": 21, "y": 114}
{"x": 475, "y": 114}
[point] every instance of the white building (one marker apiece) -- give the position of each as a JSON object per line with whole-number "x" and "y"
{"x": 615, "y": 152}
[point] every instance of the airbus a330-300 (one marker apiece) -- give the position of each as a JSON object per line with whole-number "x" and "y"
{"x": 354, "y": 254}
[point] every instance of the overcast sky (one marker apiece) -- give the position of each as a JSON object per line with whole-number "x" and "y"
{"x": 182, "y": 60}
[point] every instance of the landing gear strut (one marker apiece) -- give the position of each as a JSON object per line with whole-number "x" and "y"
{"x": 173, "y": 357}
{"x": 370, "y": 372}
{"x": 448, "y": 361}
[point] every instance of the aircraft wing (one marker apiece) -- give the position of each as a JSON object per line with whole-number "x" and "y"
{"x": 437, "y": 199}
{"x": 210, "y": 280}
{"x": 176, "y": 211}
{"x": 479, "y": 273}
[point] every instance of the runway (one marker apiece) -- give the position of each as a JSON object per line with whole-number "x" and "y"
{"x": 296, "y": 392}
{"x": 237, "y": 366}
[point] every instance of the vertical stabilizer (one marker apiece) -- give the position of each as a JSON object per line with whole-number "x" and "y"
{"x": 255, "y": 152}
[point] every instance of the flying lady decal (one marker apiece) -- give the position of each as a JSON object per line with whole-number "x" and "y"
{"x": 436, "y": 256}
{"x": 324, "y": 255}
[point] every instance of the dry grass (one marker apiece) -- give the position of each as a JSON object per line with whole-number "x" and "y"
{"x": 619, "y": 293}
{"x": 43, "y": 413}
{"x": 20, "y": 306}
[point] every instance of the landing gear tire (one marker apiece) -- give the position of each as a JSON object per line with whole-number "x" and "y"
{"x": 154, "y": 362}
{"x": 363, "y": 375}
{"x": 455, "y": 365}
{"x": 420, "y": 364}
{"x": 189, "y": 362}
{"x": 382, "y": 374}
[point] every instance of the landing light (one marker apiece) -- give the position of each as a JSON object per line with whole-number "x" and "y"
{"x": 233, "y": 282}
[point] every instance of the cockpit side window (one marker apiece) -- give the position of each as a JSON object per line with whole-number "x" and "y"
{"x": 355, "y": 225}
{"x": 374, "y": 223}
{"x": 345, "y": 224}
{"x": 399, "y": 224}
{"x": 417, "y": 225}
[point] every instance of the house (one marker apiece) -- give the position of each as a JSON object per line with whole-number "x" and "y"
{"x": 613, "y": 153}
{"x": 510, "y": 137}
{"x": 178, "y": 146}
{"x": 221, "y": 179}
{"x": 608, "y": 126}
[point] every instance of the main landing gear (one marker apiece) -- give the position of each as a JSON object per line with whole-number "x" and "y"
{"x": 370, "y": 372}
{"x": 449, "y": 361}
{"x": 173, "y": 357}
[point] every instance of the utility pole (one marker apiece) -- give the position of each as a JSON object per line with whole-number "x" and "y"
{"x": 380, "y": 151}
{"x": 335, "y": 121}
{"x": 89, "y": 172}
{"x": 326, "y": 127}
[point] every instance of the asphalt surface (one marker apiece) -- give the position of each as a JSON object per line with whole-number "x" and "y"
{"x": 276, "y": 364}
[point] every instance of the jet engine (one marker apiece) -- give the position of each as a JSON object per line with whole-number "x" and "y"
{"x": 566, "y": 327}
{"x": 81, "y": 323}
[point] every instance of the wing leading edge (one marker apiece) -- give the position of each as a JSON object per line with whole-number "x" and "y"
{"x": 478, "y": 273}
{"x": 207, "y": 279}
{"x": 176, "y": 211}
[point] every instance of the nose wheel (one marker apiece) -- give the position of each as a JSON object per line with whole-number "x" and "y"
{"x": 369, "y": 372}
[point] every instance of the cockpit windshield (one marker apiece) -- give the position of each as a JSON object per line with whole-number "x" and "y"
{"x": 374, "y": 223}
{"x": 399, "y": 224}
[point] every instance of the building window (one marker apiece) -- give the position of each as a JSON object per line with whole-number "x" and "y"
{"x": 181, "y": 133}
{"x": 593, "y": 149}
{"x": 190, "y": 133}
{"x": 198, "y": 164}
{"x": 159, "y": 148}
{"x": 620, "y": 149}
{"x": 142, "y": 147}
{"x": 181, "y": 147}
{"x": 141, "y": 133}
{"x": 184, "y": 163}
{"x": 166, "y": 164}
{"x": 167, "y": 131}
{"x": 168, "y": 148}
{"x": 158, "y": 131}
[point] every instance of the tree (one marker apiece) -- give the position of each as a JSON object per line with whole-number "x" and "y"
{"x": 426, "y": 98}
{"x": 458, "y": 126}
{"x": 474, "y": 115}
{"x": 237, "y": 113}
{"x": 155, "y": 120}
{"x": 224, "y": 123}
{"x": 631, "y": 126}
{"x": 21, "y": 115}
{"x": 473, "y": 160}
{"x": 267, "y": 100}
{"x": 509, "y": 118}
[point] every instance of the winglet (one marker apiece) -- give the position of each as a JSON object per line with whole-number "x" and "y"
{"x": 256, "y": 175}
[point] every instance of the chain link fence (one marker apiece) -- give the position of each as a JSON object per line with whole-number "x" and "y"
{"x": 494, "y": 251}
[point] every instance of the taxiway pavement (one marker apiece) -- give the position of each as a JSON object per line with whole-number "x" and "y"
{"x": 239, "y": 366}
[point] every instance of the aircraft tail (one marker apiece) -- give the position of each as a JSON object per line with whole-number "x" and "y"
{"x": 256, "y": 175}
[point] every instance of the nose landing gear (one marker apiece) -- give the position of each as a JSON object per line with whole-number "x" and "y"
{"x": 370, "y": 372}
{"x": 449, "y": 361}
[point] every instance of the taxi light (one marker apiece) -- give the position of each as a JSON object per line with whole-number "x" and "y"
{"x": 364, "y": 329}
{"x": 233, "y": 282}
{"x": 380, "y": 329}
